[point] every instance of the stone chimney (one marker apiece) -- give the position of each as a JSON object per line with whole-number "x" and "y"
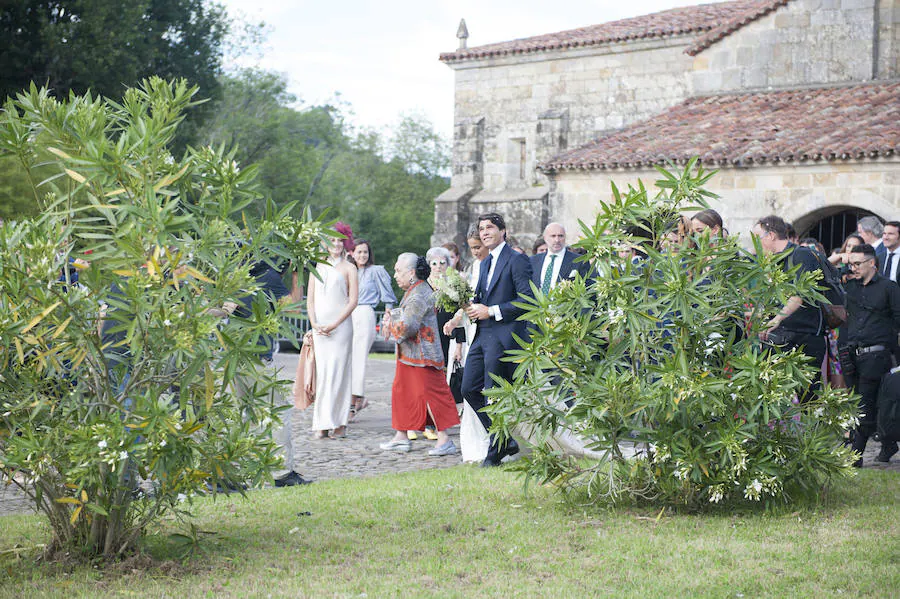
{"x": 462, "y": 34}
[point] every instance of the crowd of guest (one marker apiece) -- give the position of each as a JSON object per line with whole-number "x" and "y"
{"x": 433, "y": 343}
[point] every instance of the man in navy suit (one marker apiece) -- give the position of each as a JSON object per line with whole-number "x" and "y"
{"x": 871, "y": 230}
{"x": 505, "y": 278}
{"x": 558, "y": 263}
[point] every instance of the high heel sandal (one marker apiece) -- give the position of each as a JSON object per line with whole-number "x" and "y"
{"x": 362, "y": 405}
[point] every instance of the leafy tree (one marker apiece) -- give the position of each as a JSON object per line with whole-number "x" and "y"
{"x": 657, "y": 354}
{"x": 384, "y": 188}
{"x": 416, "y": 144}
{"x": 153, "y": 388}
{"x": 105, "y": 46}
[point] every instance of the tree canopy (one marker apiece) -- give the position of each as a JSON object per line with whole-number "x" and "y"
{"x": 383, "y": 186}
{"x": 106, "y": 46}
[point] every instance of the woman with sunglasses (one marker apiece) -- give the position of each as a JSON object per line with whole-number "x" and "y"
{"x": 439, "y": 259}
{"x": 374, "y": 288}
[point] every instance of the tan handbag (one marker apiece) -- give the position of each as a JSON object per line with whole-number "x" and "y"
{"x": 305, "y": 381}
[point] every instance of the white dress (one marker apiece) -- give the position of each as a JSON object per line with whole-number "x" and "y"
{"x": 474, "y": 441}
{"x": 332, "y": 405}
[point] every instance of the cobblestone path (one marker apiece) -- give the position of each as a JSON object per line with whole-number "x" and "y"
{"x": 358, "y": 455}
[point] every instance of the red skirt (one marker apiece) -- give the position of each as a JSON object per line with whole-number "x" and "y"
{"x": 419, "y": 392}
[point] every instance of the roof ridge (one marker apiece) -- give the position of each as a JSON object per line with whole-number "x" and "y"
{"x": 673, "y": 21}
{"x": 739, "y": 20}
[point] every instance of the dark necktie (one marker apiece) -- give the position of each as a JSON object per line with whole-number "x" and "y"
{"x": 889, "y": 265}
{"x": 548, "y": 275}
{"x": 483, "y": 277}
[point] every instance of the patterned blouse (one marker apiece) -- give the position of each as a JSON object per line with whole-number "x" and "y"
{"x": 415, "y": 328}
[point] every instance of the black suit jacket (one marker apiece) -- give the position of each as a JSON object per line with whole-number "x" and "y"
{"x": 565, "y": 270}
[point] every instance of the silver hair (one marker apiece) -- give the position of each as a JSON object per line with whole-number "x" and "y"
{"x": 408, "y": 259}
{"x": 438, "y": 252}
{"x": 871, "y": 224}
{"x": 473, "y": 233}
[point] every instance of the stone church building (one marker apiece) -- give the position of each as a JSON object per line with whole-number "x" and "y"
{"x": 796, "y": 102}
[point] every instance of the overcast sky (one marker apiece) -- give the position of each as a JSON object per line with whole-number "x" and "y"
{"x": 382, "y": 56}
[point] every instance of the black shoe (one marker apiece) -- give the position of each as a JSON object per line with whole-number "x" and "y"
{"x": 512, "y": 448}
{"x": 291, "y": 479}
{"x": 887, "y": 450}
{"x": 858, "y": 463}
{"x": 491, "y": 461}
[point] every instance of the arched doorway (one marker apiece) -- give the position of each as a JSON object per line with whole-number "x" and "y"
{"x": 831, "y": 225}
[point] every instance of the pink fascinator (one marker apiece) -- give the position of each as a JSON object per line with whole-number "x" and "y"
{"x": 345, "y": 230}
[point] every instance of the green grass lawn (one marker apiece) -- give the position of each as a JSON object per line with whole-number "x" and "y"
{"x": 467, "y": 532}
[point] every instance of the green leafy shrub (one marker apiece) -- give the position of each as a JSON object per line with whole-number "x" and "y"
{"x": 670, "y": 384}
{"x": 117, "y": 393}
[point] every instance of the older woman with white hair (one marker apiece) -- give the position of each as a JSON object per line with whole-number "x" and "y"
{"x": 439, "y": 260}
{"x": 420, "y": 391}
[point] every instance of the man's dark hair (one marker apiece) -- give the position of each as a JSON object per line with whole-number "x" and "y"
{"x": 865, "y": 248}
{"x": 893, "y": 223}
{"x": 494, "y": 218}
{"x": 791, "y": 231}
{"x": 774, "y": 224}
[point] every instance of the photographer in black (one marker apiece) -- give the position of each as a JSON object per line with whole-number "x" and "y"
{"x": 873, "y": 320}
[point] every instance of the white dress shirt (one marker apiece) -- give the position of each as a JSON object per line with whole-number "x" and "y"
{"x": 557, "y": 265}
{"x": 887, "y": 257}
{"x": 495, "y": 255}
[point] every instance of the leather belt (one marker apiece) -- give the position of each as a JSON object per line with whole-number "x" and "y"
{"x": 868, "y": 350}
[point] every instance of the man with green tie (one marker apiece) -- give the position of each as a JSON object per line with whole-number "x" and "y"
{"x": 558, "y": 263}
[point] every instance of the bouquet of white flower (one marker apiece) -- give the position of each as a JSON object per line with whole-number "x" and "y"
{"x": 453, "y": 292}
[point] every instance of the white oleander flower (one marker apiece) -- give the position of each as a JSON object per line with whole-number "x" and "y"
{"x": 616, "y": 315}
{"x": 753, "y": 490}
{"x": 102, "y": 444}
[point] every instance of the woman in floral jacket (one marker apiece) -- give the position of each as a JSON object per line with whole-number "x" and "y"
{"x": 420, "y": 388}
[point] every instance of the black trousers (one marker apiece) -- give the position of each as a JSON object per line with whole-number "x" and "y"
{"x": 870, "y": 368}
{"x": 485, "y": 357}
{"x": 813, "y": 346}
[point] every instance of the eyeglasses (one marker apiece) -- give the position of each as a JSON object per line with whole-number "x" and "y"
{"x": 438, "y": 262}
{"x": 858, "y": 264}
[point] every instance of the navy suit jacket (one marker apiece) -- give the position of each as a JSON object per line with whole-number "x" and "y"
{"x": 880, "y": 256}
{"x": 510, "y": 283}
{"x": 565, "y": 269}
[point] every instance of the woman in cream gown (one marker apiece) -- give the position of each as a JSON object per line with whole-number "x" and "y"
{"x": 331, "y": 300}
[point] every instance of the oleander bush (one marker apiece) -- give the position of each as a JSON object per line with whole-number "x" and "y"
{"x": 117, "y": 360}
{"x": 661, "y": 361}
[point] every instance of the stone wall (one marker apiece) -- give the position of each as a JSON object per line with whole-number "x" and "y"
{"x": 889, "y": 39}
{"x": 801, "y": 194}
{"x": 805, "y": 42}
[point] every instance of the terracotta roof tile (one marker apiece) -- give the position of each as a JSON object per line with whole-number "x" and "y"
{"x": 836, "y": 123}
{"x": 677, "y": 21}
